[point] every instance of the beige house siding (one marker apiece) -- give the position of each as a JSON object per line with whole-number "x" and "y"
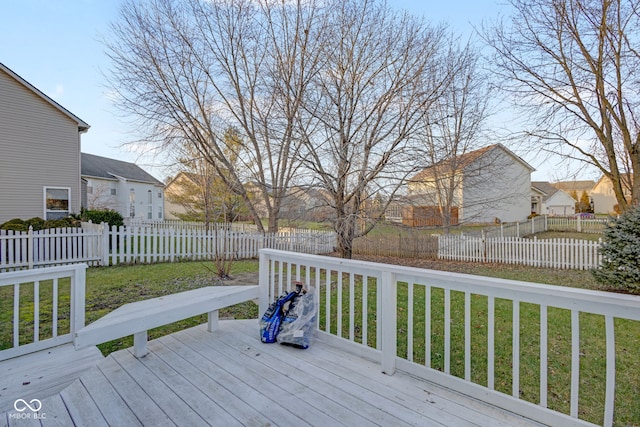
{"x": 39, "y": 146}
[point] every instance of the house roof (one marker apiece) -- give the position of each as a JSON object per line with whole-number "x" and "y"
{"x": 548, "y": 189}
{"x": 463, "y": 161}
{"x": 105, "y": 168}
{"x": 544, "y": 186}
{"x": 577, "y": 186}
{"x": 82, "y": 126}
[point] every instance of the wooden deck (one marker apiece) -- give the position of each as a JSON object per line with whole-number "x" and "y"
{"x": 229, "y": 377}
{"x": 43, "y": 373}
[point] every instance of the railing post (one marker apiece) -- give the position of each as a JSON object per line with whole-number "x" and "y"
{"x": 388, "y": 322}
{"x": 263, "y": 282}
{"x": 78, "y": 289}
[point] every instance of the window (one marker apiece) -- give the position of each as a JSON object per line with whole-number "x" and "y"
{"x": 89, "y": 189}
{"x": 132, "y": 203}
{"x": 150, "y": 204}
{"x": 56, "y": 202}
{"x": 159, "y": 212}
{"x": 113, "y": 188}
{"x": 159, "y": 194}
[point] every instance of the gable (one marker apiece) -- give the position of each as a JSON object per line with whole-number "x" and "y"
{"x": 40, "y": 146}
{"x": 561, "y": 198}
{"x": 469, "y": 161}
{"x": 24, "y": 90}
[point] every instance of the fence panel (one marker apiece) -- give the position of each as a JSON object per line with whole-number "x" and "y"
{"x": 552, "y": 253}
{"x": 49, "y": 247}
{"x": 150, "y": 243}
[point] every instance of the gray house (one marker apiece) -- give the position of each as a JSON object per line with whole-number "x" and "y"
{"x": 39, "y": 152}
{"x": 121, "y": 186}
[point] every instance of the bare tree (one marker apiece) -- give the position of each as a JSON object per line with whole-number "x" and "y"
{"x": 191, "y": 69}
{"x": 572, "y": 64}
{"x": 200, "y": 193}
{"x": 367, "y": 102}
{"x": 453, "y": 128}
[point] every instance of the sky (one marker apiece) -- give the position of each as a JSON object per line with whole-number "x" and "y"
{"x": 56, "y": 45}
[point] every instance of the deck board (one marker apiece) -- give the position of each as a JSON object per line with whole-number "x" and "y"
{"x": 43, "y": 373}
{"x": 228, "y": 377}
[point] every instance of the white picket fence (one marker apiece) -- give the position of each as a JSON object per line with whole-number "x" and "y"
{"x": 551, "y": 253}
{"x": 149, "y": 244}
{"x": 97, "y": 244}
{"x": 53, "y": 246}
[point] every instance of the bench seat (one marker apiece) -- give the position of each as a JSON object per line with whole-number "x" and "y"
{"x": 137, "y": 318}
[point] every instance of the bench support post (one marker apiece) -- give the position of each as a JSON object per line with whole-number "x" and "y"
{"x": 140, "y": 344}
{"x": 212, "y": 323}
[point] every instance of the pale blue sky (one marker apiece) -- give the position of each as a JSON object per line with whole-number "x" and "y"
{"x": 55, "y": 45}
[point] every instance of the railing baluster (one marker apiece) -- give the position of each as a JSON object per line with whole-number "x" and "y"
{"x": 339, "y": 305}
{"x": 410, "y": 321}
{"x": 516, "y": 349}
{"x": 427, "y": 326}
{"x": 609, "y": 400}
{"x": 447, "y": 331}
{"x": 327, "y": 308}
{"x": 467, "y": 336}
{"x": 575, "y": 361}
{"x": 54, "y": 319}
{"x": 491, "y": 312}
{"x": 351, "y": 307}
{"x": 544, "y": 374}
{"x": 36, "y": 311}
{"x": 365, "y": 308}
{"x": 16, "y": 315}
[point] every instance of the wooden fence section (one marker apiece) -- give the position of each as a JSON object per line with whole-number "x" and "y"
{"x": 150, "y": 244}
{"x": 417, "y": 246}
{"x": 48, "y": 247}
{"x": 551, "y": 253}
{"x": 97, "y": 244}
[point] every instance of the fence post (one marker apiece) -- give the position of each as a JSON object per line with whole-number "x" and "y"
{"x": 104, "y": 244}
{"x": 388, "y": 322}
{"x": 517, "y": 229}
{"x": 579, "y": 224}
{"x": 30, "y": 248}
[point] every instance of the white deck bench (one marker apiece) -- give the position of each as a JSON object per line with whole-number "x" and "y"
{"x": 138, "y": 317}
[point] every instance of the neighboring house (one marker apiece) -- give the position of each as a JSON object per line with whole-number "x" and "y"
{"x": 123, "y": 187}
{"x": 491, "y": 184}
{"x": 547, "y": 199}
{"x": 307, "y": 204}
{"x": 40, "y": 152}
{"x": 176, "y": 188}
{"x": 604, "y": 200}
{"x": 577, "y": 187}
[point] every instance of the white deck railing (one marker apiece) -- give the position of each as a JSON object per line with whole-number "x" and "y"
{"x": 40, "y": 317}
{"x": 379, "y": 310}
